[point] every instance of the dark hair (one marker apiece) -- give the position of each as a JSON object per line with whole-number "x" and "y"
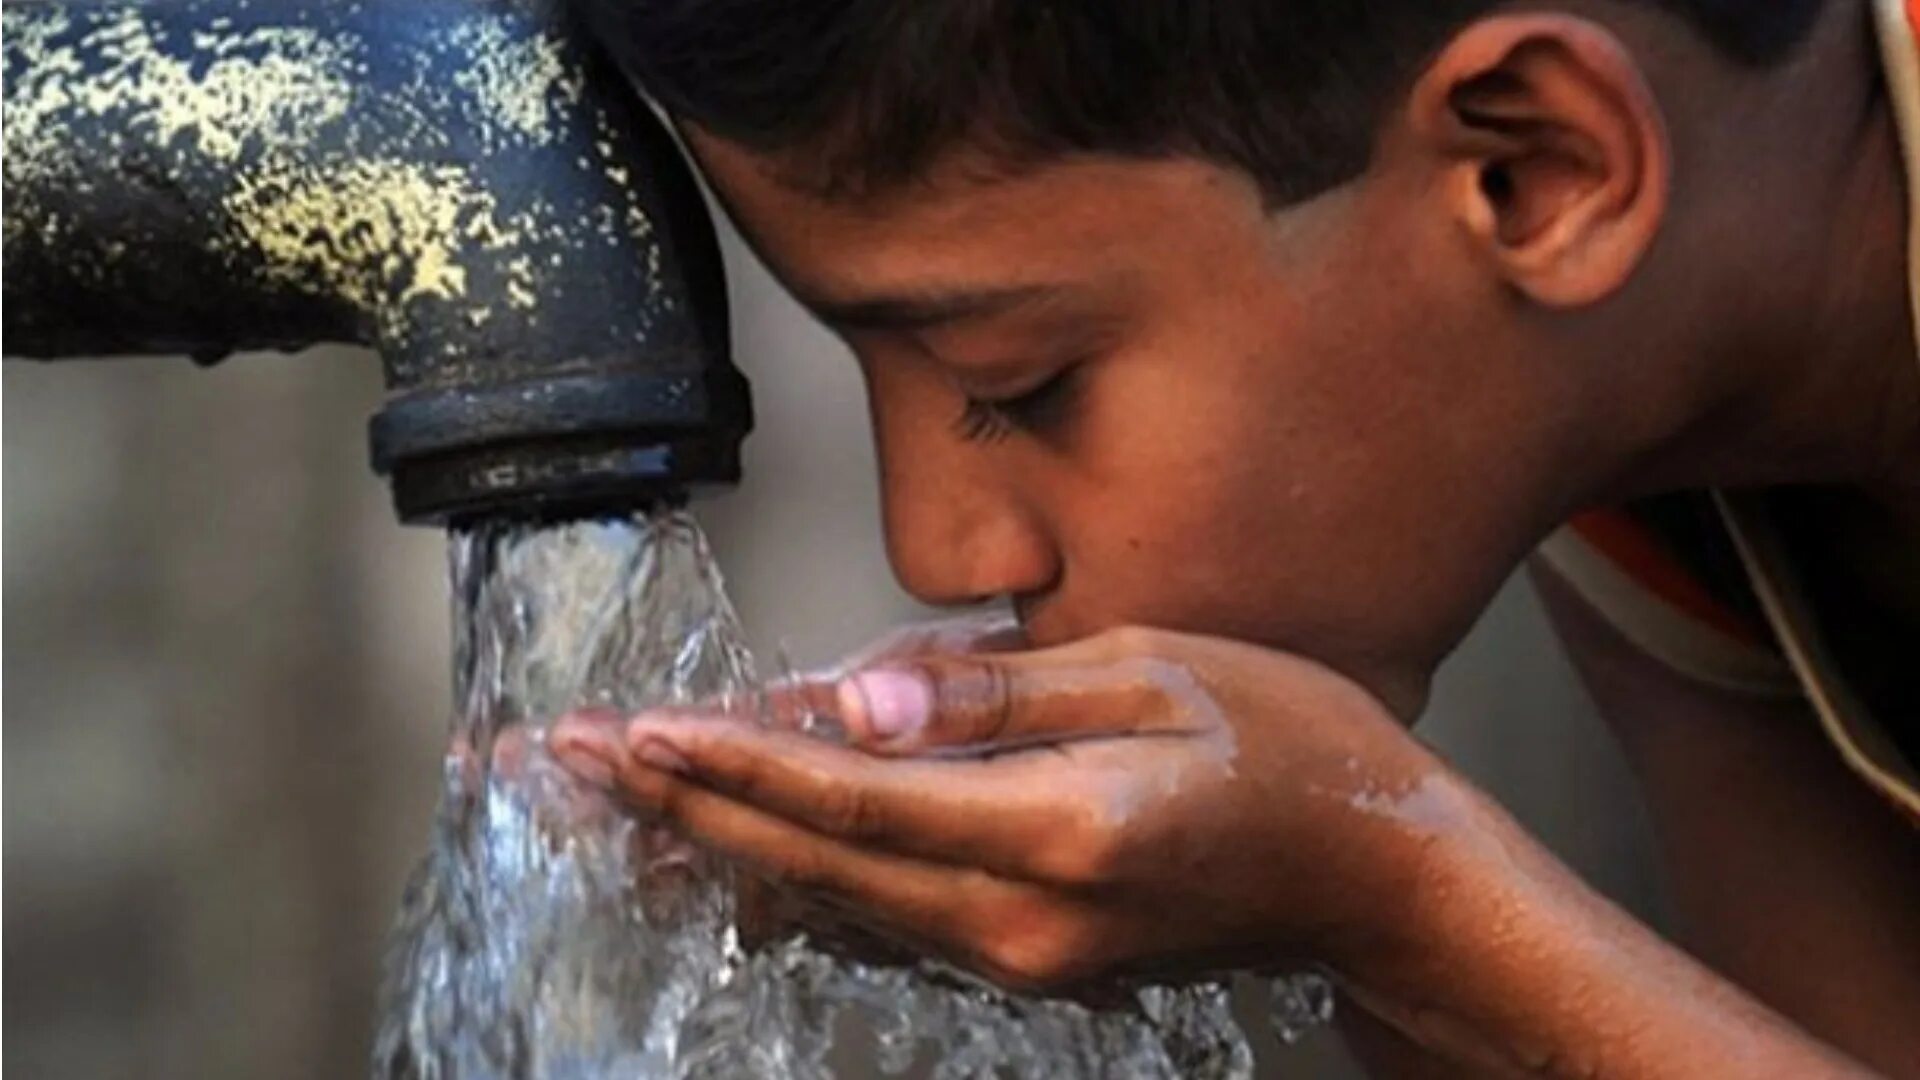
{"x": 873, "y": 90}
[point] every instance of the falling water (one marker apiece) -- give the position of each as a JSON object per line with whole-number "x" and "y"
{"x": 549, "y": 935}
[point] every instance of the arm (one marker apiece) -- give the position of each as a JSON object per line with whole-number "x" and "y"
{"x": 1513, "y": 967}
{"x": 1786, "y": 873}
{"x": 1035, "y": 815}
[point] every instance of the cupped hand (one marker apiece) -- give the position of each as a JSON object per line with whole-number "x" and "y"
{"x": 1139, "y": 802}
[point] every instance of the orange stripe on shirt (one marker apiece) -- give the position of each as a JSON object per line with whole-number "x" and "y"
{"x": 1633, "y": 548}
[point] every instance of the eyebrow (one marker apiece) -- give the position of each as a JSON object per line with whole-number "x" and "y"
{"x": 922, "y": 310}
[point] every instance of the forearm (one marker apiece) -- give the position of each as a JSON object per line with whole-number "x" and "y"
{"x": 1505, "y": 962}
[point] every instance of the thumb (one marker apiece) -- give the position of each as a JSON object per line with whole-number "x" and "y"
{"x": 997, "y": 701}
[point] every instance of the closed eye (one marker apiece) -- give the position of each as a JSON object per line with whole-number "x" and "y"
{"x": 1039, "y": 410}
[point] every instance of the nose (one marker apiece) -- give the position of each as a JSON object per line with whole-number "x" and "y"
{"x": 959, "y": 529}
{"x": 951, "y": 545}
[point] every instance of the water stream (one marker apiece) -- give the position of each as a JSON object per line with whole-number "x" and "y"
{"x": 549, "y": 935}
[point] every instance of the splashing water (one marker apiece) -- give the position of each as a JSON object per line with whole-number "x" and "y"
{"x": 549, "y": 935}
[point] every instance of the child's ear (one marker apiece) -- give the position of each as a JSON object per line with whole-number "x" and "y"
{"x": 1553, "y": 151}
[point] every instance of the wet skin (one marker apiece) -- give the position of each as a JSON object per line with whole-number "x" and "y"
{"x": 1129, "y": 393}
{"x": 1048, "y": 816}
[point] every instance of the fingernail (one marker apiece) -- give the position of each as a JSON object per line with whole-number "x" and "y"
{"x": 586, "y": 764}
{"x": 588, "y": 745}
{"x": 896, "y": 704}
{"x": 586, "y": 732}
{"x": 659, "y": 755}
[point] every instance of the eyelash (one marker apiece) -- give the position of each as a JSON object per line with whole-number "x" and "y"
{"x": 985, "y": 421}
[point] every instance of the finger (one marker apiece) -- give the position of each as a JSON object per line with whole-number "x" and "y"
{"x": 810, "y": 702}
{"x": 994, "y": 703}
{"x": 1001, "y": 816}
{"x": 805, "y": 702}
{"x": 807, "y": 706}
{"x": 789, "y": 705}
{"x": 589, "y": 745}
{"x": 991, "y": 631}
{"x": 925, "y": 901}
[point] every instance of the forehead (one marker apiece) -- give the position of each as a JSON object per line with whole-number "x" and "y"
{"x": 967, "y": 219}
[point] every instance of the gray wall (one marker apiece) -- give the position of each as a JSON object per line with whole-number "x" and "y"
{"x": 226, "y": 671}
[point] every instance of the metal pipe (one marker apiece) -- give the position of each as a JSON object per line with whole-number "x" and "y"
{"x": 467, "y": 186}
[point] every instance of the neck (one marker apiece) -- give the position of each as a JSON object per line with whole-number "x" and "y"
{"x": 1818, "y": 383}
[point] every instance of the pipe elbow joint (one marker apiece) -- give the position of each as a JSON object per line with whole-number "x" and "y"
{"x": 466, "y": 186}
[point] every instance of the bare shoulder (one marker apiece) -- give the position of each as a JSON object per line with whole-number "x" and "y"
{"x": 1787, "y": 873}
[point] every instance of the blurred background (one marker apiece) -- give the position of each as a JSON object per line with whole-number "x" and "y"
{"x": 226, "y": 675}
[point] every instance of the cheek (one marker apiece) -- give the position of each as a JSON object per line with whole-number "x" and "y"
{"x": 1302, "y": 493}
{"x": 1170, "y": 496}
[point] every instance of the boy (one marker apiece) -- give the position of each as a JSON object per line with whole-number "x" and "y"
{"x": 1287, "y": 328}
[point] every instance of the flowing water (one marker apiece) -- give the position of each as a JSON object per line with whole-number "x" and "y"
{"x": 549, "y": 935}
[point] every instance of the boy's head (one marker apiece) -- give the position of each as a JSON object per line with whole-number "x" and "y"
{"x": 1294, "y": 320}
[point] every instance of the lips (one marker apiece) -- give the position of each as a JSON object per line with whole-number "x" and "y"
{"x": 1049, "y": 620}
{"x": 1035, "y": 612}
